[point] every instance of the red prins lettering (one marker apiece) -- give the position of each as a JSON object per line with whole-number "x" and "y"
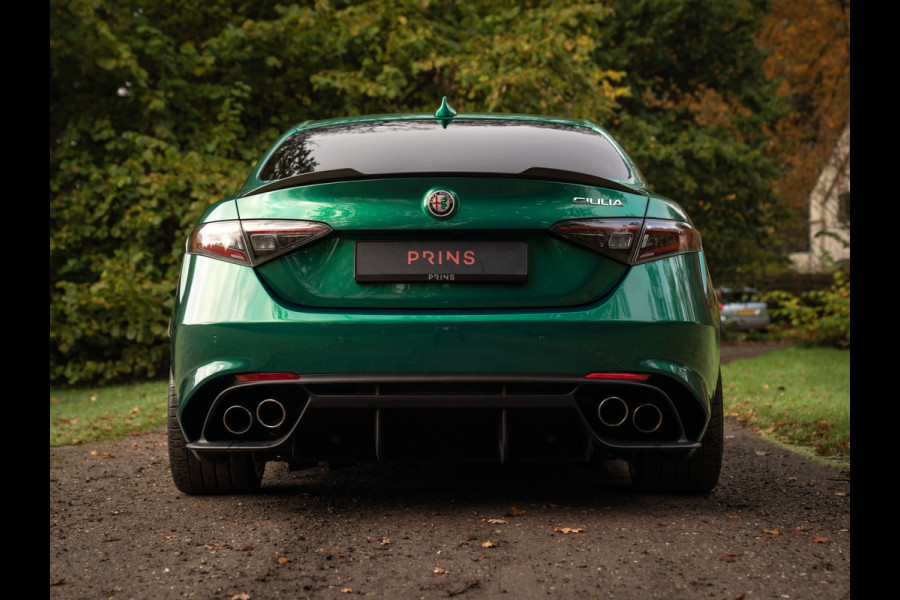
{"x": 439, "y": 257}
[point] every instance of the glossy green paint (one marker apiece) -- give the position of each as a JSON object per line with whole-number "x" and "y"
{"x": 660, "y": 207}
{"x": 225, "y": 210}
{"x": 227, "y": 323}
{"x": 396, "y": 204}
{"x": 445, "y": 113}
{"x": 560, "y": 274}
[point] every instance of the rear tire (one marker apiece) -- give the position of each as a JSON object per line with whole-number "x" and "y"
{"x": 696, "y": 473}
{"x": 236, "y": 473}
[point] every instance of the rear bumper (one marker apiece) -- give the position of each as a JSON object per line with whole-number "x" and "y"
{"x": 230, "y": 325}
{"x": 477, "y": 417}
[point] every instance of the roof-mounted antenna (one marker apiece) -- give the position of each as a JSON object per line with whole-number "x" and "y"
{"x": 445, "y": 113}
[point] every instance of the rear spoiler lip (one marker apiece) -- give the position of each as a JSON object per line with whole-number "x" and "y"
{"x": 540, "y": 173}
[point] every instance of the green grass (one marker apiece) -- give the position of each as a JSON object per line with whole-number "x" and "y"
{"x": 96, "y": 414}
{"x": 796, "y": 396}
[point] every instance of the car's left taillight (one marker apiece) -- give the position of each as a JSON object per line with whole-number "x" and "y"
{"x": 253, "y": 242}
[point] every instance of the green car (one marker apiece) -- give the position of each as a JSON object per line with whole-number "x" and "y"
{"x": 445, "y": 287}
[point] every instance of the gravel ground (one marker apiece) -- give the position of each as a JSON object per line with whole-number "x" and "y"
{"x": 776, "y": 526}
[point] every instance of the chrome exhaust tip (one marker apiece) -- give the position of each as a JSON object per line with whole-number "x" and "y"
{"x": 647, "y": 418}
{"x": 271, "y": 413}
{"x": 237, "y": 419}
{"x": 613, "y": 411}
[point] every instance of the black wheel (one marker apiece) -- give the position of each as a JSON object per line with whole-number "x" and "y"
{"x": 696, "y": 473}
{"x": 235, "y": 473}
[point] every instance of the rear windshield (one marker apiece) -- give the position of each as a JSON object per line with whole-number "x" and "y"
{"x": 464, "y": 146}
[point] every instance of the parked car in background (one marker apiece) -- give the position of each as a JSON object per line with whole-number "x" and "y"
{"x": 741, "y": 309}
{"x": 445, "y": 287}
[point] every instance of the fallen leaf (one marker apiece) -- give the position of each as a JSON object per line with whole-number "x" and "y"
{"x": 385, "y": 542}
{"x": 107, "y": 538}
{"x": 284, "y": 559}
{"x": 95, "y": 453}
{"x": 58, "y": 582}
{"x": 346, "y": 591}
{"x": 567, "y": 530}
{"x": 498, "y": 521}
{"x": 487, "y": 544}
{"x": 738, "y": 517}
{"x": 801, "y": 528}
{"x": 819, "y": 540}
{"x": 241, "y": 596}
{"x": 726, "y": 558}
{"x": 772, "y": 531}
{"x": 245, "y": 548}
{"x": 469, "y": 538}
{"x": 514, "y": 512}
{"x": 440, "y": 571}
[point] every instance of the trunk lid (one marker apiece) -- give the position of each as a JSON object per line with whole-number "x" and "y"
{"x": 503, "y": 219}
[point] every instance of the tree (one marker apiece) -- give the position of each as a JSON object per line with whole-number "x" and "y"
{"x": 158, "y": 107}
{"x": 809, "y": 56}
{"x": 698, "y": 119}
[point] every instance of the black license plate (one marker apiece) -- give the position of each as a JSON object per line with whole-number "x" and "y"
{"x": 441, "y": 262}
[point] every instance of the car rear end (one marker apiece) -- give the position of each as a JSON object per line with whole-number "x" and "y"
{"x": 486, "y": 311}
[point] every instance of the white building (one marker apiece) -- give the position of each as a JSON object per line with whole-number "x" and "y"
{"x": 829, "y": 213}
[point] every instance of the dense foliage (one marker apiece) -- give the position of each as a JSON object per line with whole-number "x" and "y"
{"x": 816, "y": 317}
{"x": 158, "y": 107}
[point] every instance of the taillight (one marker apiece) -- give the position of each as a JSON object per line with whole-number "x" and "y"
{"x": 253, "y": 242}
{"x": 618, "y": 238}
{"x": 611, "y": 237}
{"x": 666, "y": 238}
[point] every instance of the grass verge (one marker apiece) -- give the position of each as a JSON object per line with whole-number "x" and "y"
{"x": 795, "y": 396}
{"x": 97, "y": 414}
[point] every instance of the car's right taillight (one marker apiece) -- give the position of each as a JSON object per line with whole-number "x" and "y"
{"x": 662, "y": 238}
{"x": 253, "y": 242}
{"x": 629, "y": 240}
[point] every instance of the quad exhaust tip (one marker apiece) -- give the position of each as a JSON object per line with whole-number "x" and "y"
{"x": 237, "y": 419}
{"x": 271, "y": 413}
{"x": 647, "y": 418}
{"x": 613, "y": 411}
